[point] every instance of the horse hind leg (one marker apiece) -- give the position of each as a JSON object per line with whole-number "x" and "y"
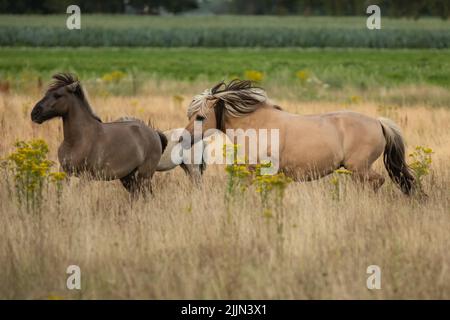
{"x": 363, "y": 173}
{"x": 374, "y": 179}
{"x": 136, "y": 185}
{"x": 129, "y": 182}
{"x": 144, "y": 180}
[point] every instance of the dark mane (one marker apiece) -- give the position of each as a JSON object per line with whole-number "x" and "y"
{"x": 65, "y": 79}
{"x": 239, "y": 98}
{"x": 246, "y": 96}
{"x": 242, "y": 87}
{"x": 61, "y": 80}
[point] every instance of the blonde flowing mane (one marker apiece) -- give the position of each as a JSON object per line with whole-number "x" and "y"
{"x": 237, "y": 98}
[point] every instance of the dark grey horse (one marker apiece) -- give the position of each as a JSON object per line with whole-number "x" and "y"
{"x": 128, "y": 150}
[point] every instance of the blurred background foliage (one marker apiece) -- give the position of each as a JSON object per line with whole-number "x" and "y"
{"x": 309, "y": 49}
{"x": 398, "y": 8}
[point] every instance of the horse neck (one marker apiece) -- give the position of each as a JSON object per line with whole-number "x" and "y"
{"x": 253, "y": 120}
{"x": 79, "y": 123}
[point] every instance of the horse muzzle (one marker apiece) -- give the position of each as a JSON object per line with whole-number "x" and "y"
{"x": 36, "y": 114}
{"x": 188, "y": 141}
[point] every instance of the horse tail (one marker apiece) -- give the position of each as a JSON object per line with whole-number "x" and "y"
{"x": 394, "y": 157}
{"x": 163, "y": 139}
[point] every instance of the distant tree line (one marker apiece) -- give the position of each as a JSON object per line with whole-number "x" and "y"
{"x": 96, "y": 6}
{"x": 394, "y": 8}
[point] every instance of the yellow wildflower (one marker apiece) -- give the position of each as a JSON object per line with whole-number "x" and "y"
{"x": 254, "y": 75}
{"x": 303, "y": 75}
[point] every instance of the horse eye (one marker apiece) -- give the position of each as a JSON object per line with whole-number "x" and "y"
{"x": 200, "y": 118}
{"x": 57, "y": 95}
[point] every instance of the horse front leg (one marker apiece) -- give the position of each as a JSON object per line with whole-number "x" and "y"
{"x": 194, "y": 172}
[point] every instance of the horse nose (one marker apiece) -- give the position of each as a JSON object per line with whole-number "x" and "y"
{"x": 186, "y": 142}
{"x": 37, "y": 110}
{"x": 183, "y": 143}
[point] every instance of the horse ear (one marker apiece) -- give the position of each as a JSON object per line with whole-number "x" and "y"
{"x": 73, "y": 86}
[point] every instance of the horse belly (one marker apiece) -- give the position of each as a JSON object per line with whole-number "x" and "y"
{"x": 118, "y": 164}
{"x": 314, "y": 156}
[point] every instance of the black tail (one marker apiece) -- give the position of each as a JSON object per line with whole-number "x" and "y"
{"x": 394, "y": 157}
{"x": 163, "y": 140}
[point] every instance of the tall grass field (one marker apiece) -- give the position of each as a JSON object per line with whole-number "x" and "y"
{"x": 187, "y": 242}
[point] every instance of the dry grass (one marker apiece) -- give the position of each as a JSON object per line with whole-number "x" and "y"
{"x": 180, "y": 244}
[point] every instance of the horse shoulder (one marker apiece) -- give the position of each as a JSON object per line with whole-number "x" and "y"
{"x": 72, "y": 159}
{"x": 64, "y": 157}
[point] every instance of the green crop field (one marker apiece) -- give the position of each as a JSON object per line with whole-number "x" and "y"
{"x": 125, "y": 22}
{"x": 223, "y": 31}
{"x": 335, "y": 67}
{"x": 392, "y": 76}
{"x": 280, "y": 52}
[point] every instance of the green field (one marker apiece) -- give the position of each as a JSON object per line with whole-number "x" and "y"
{"x": 335, "y": 67}
{"x": 223, "y": 31}
{"x": 160, "y": 49}
{"x": 126, "y": 22}
{"x": 329, "y": 74}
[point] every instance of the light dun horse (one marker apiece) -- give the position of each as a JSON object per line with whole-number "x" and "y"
{"x": 310, "y": 146}
{"x": 126, "y": 149}
{"x": 171, "y": 158}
